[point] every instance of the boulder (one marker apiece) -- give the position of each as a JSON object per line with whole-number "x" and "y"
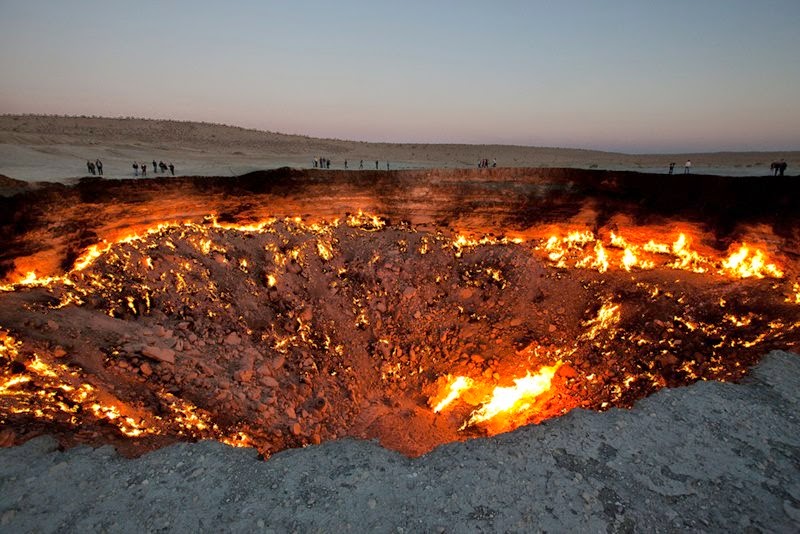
{"x": 160, "y": 354}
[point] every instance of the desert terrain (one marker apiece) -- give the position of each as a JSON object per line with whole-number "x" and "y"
{"x": 51, "y": 148}
{"x": 309, "y": 316}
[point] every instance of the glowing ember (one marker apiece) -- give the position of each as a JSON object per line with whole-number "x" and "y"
{"x": 607, "y": 316}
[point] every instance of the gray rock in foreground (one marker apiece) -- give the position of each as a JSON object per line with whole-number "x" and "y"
{"x": 710, "y": 457}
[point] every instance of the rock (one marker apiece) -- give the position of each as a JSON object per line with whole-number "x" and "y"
{"x": 552, "y": 328}
{"x": 409, "y": 292}
{"x": 381, "y": 306}
{"x": 278, "y": 362}
{"x": 296, "y": 429}
{"x": 159, "y": 353}
{"x": 567, "y": 371}
{"x": 7, "y": 438}
{"x": 59, "y": 352}
{"x": 232, "y": 339}
{"x": 268, "y": 381}
{"x": 667, "y": 360}
{"x": 294, "y": 267}
{"x": 290, "y": 413}
{"x": 52, "y": 325}
{"x": 146, "y": 369}
{"x": 466, "y": 293}
{"x": 243, "y": 376}
{"x": 133, "y": 348}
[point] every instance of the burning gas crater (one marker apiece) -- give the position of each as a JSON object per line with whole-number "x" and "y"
{"x": 284, "y": 333}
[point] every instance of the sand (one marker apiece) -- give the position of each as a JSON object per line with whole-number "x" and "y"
{"x": 50, "y": 148}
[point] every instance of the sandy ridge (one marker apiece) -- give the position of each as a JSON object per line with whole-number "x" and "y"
{"x": 36, "y": 147}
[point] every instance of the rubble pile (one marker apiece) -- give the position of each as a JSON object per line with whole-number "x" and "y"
{"x": 282, "y": 333}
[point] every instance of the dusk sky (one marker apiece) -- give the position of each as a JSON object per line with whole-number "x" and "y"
{"x": 622, "y": 75}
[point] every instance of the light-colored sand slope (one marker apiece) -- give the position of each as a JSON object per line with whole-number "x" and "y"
{"x": 56, "y": 148}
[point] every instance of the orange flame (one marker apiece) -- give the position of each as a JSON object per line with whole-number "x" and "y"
{"x": 516, "y": 399}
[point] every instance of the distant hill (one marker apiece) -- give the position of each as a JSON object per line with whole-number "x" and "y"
{"x": 38, "y": 147}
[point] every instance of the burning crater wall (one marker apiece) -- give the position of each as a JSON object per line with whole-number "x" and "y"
{"x": 47, "y": 229}
{"x": 472, "y": 301}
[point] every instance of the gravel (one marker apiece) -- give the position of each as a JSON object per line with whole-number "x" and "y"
{"x": 713, "y": 456}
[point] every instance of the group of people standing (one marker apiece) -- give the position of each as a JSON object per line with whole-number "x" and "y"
{"x": 484, "y": 163}
{"x": 778, "y": 167}
{"x": 322, "y": 163}
{"x": 95, "y": 167}
{"x": 156, "y": 167}
{"x": 325, "y": 163}
{"x": 687, "y": 167}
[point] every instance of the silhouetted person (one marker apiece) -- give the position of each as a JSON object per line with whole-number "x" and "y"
{"x": 345, "y": 164}
{"x": 327, "y": 164}
{"x": 89, "y": 166}
{"x": 376, "y": 164}
{"x": 387, "y": 165}
{"x": 162, "y": 166}
{"x": 99, "y": 165}
{"x": 671, "y": 167}
{"x": 135, "y": 169}
{"x": 782, "y": 167}
{"x": 687, "y": 166}
{"x": 361, "y": 165}
{"x": 172, "y": 169}
{"x": 144, "y": 169}
{"x": 494, "y": 162}
{"x": 155, "y": 167}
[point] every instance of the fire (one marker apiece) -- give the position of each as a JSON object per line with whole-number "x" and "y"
{"x": 512, "y": 401}
{"x": 607, "y": 316}
{"x": 365, "y": 221}
{"x": 598, "y": 261}
{"x": 499, "y": 406}
{"x": 146, "y": 272}
{"x": 456, "y": 385}
{"x": 741, "y": 263}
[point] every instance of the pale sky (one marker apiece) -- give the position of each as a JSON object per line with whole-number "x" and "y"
{"x": 622, "y": 75}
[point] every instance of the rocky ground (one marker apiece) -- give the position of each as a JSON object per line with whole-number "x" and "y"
{"x": 268, "y": 311}
{"x": 711, "y": 457}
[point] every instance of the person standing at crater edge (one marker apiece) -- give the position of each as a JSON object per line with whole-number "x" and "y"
{"x": 135, "y": 169}
{"x": 687, "y": 166}
{"x": 99, "y": 165}
{"x": 172, "y": 169}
